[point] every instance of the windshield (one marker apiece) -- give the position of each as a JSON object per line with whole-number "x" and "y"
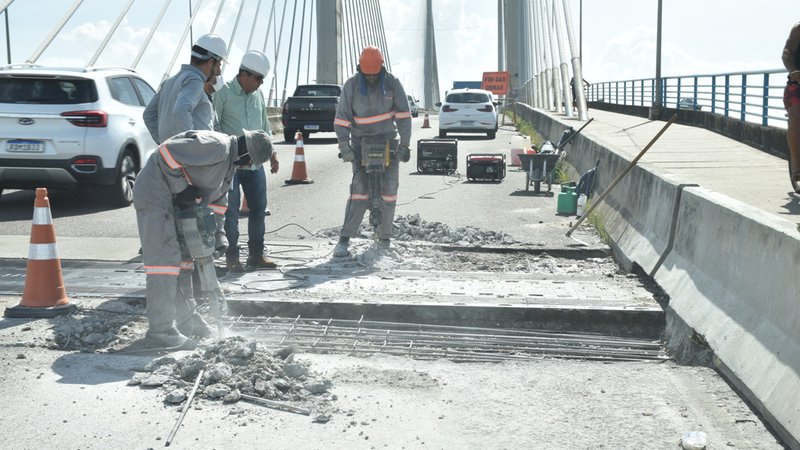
{"x": 468, "y": 97}
{"x": 317, "y": 91}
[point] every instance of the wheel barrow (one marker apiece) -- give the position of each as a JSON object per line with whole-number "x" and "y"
{"x": 539, "y": 167}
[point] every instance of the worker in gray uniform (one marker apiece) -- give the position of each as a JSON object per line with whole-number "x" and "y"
{"x": 195, "y": 167}
{"x": 373, "y": 105}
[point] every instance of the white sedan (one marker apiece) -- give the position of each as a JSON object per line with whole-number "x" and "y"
{"x": 468, "y": 111}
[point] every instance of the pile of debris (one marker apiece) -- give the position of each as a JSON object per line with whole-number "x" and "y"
{"x": 239, "y": 369}
{"x": 412, "y": 228}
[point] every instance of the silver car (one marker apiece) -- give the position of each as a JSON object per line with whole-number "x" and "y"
{"x": 67, "y": 127}
{"x": 413, "y": 105}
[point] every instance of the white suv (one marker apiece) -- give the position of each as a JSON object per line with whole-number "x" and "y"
{"x": 65, "y": 127}
{"x": 468, "y": 111}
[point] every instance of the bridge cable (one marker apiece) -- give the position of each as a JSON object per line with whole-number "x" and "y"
{"x": 300, "y": 45}
{"x": 348, "y": 44}
{"x": 110, "y": 33}
{"x": 233, "y": 33}
{"x": 180, "y": 41}
{"x": 312, "y": 13}
{"x": 253, "y": 28}
{"x": 289, "y": 52}
{"x": 563, "y": 56}
{"x": 383, "y": 37}
{"x": 54, "y": 32}
{"x": 216, "y": 18}
{"x": 150, "y": 34}
{"x": 549, "y": 16}
{"x": 5, "y": 5}
{"x": 277, "y": 54}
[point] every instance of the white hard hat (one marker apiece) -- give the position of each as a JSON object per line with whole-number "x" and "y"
{"x": 213, "y": 44}
{"x": 256, "y": 62}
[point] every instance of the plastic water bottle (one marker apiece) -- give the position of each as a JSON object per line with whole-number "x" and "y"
{"x": 581, "y": 205}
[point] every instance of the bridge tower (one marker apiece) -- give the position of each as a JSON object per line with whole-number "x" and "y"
{"x": 430, "y": 69}
{"x": 329, "y": 42}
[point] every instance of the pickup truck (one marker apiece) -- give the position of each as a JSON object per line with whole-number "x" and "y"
{"x": 311, "y": 109}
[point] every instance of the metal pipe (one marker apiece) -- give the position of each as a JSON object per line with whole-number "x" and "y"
{"x": 8, "y": 33}
{"x": 43, "y": 46}
{"x": 185, "y": 408}
{"x": 627, "y": 169}
{"x": 110, "y": 33}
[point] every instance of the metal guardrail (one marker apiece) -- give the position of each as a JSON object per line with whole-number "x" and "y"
{"x": 748, "y": 96}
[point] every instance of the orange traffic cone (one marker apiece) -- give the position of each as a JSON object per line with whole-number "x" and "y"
{"x": 425, "y": 123}
{"x": 44, "y": 294}
{"x": 299, "y": 175}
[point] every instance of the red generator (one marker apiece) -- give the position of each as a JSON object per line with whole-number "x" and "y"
{"x": 486, "y": 167}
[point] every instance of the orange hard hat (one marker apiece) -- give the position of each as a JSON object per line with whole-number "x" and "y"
{"x": 371, "y": 60}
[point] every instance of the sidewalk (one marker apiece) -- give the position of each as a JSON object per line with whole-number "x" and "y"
{"x": 697, "y": 155}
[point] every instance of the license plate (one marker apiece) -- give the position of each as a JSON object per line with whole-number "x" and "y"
{"x": 467, "y": 123}
{"x": 311, "y": 127}
{"x": 22, "y": 146}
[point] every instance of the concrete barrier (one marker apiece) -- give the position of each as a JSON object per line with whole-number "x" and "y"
{"x": 729, "y": 270}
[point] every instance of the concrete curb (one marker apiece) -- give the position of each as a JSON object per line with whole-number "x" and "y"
{"x": 729, "y": 269}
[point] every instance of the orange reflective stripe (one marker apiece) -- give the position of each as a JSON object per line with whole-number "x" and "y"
{"x": 341, "y": 122}
{"x": 373, "y": 119}
{"x": 162, "y": 270}
{"x": 359, "y": 196}
{"x": 168, "y": 157}
{"x": 217, "y": 209}
{"x": 403, "y": 115}
{"x": 389, "y": 198}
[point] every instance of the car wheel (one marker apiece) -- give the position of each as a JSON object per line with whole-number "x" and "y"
{"x": 288, "y": 136}
{"x": 491, "y": 134}
{"x": 442, "y": 133}
{"x": 122, "y": 189}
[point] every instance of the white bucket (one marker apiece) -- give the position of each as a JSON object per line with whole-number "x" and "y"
{"x": 519, "y": 144}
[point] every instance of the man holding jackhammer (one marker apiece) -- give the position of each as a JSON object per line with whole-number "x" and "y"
{"x": 373, "y": 108}
{"x": 188, "y": 169}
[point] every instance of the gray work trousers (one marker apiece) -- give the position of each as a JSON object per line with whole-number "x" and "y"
{"x": 359, "y": 202}
{"x": 168, "y": 268}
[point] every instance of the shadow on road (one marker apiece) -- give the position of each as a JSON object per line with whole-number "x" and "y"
{"x": 18, "y": 205}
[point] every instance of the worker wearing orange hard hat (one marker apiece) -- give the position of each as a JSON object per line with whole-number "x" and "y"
{"x": 373, "y": 108}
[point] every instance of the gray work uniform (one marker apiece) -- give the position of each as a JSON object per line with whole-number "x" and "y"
{"x": 204, "y": 159}
{"x": 180, "y": 105}
{"x": 381, "y": 110}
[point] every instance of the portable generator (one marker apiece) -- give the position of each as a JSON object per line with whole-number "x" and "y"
{"x": 486, "y": 166}
{"x": 437, "y": 155}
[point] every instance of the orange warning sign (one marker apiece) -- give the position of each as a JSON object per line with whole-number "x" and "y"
{"x": 497, "y": 82}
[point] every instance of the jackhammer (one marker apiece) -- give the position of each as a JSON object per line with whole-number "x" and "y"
{"x": 376, "y": 155}
{"x": 196, "y": 227}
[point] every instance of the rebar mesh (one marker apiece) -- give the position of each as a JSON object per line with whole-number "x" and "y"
{"x": 423, "y": 341}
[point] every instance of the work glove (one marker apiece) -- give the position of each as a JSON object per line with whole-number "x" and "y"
{"x": 403, "y": 153}
{"x": 188, "y": 198}
{"x": 346, "y": 152}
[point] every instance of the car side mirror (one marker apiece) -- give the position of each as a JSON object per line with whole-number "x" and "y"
{"x": 497, "y": 103}
{"x": 438, "y": 103}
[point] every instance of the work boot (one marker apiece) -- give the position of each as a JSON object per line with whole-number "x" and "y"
{"x": 259, "y": 262}
{"x": 170, "y": 338}
{"x": 195, "y": 326}
{"x": 234, "y": 266}
{"x": 340, "y": 251}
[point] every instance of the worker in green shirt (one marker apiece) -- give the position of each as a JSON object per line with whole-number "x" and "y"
{"x": 240, "y": 106}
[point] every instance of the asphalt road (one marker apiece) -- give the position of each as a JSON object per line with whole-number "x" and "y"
{"x": 87, "y": 229}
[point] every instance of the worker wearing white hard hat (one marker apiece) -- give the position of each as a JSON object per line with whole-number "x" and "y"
{"x": 240, "y": 106}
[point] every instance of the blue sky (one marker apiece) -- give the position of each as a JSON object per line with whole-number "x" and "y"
{"x": 700, "y": 36}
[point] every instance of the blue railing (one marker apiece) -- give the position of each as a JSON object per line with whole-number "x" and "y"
{"x": 749, "y": 96}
